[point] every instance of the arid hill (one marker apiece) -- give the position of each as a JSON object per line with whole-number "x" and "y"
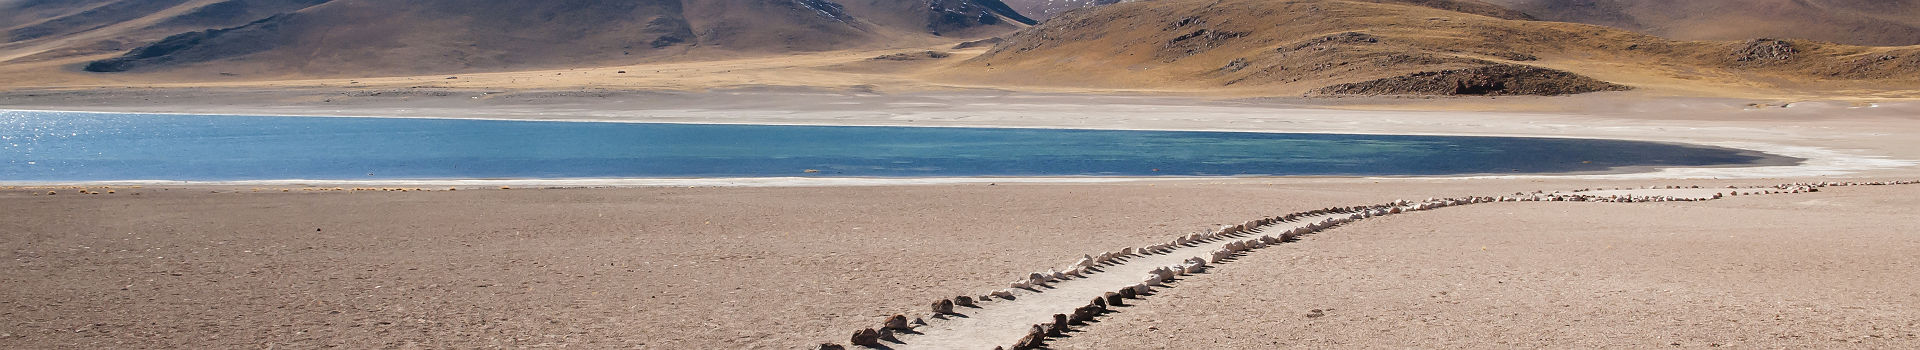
{"x": 293, "y": 38}
{"x": 1211, "y": 47}
{"x": 1860, "y": 22}
{"x": 1342, "y": 47}
{"x": 1044, "y": 9}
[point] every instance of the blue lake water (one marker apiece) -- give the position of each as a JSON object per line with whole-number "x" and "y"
{"x": 62, "y": 146}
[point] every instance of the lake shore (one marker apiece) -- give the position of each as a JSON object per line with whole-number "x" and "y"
{"x": 785, "y": 265}
{"x": 1835, "y": 138}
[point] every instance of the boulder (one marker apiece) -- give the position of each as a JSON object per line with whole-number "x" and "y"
{"x": 963, "y": 301}
{"x": 896, "y": 322}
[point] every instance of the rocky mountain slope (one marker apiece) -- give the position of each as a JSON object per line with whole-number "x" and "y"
{"x": 358, "y": 37}
{"x": 1414, "y": 47}
{"x": 52, "y": 29}
{"x": 1860, "y": 22}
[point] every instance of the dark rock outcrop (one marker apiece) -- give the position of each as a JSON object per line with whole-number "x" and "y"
{"x": 988, "y": 42}
{"x": 1491, "y": 80}
{"x": 951, "y": 15}
{"x": 913, "y": 56}
{"x": 1765, "y": 51}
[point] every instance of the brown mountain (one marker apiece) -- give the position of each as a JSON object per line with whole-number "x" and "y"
{"x": 1384, "y": 47}
{"x": 1860, "y": 22}
{"x": 361, "y": 37}
{"x": 1044, "y": 9}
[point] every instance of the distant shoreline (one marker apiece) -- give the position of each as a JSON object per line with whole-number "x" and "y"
{"x": 1762, "y": 159}
{"x": 1700, "y": 123}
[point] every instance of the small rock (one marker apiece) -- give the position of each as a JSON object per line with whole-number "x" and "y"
{"x": 831, "y": 346}
{"x": 1087, "y": 313}
{"x": 866, "y": 337}
{"x": 896, "y": 322}
{"x": 943, "y": 307}
{"x": 963, "y": 301}
{"x": 1030, "y": 341}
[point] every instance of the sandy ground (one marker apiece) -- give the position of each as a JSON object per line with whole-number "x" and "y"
{"x": 649, "y": 267}
{"x": 1819, "y": 270}
{"x": 784, "y": 267}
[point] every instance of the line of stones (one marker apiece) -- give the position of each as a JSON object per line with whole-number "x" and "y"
{"x": 1038, "y": 333}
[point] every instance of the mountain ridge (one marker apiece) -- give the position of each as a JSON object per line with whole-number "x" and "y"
{"x": 1341, "y": 47}
{"x": 1859, "y": 22}
{"x": 451, "y": 36}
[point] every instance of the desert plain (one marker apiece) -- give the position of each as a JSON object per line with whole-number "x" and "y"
{"x": 795, "y": 262}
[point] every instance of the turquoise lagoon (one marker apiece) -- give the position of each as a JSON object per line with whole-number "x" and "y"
{"x": 70, "y": 146}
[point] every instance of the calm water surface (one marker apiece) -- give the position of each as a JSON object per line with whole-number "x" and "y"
{"x": 63, "y": 146}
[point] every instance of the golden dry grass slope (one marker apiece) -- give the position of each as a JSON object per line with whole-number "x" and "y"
{"x": 1410, "y": 47}
{"x": 317, "y": 38}
{"x": 1860, "y": 22}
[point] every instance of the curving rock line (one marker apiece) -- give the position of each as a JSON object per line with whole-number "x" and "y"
{"x": 1042, "y": 305}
